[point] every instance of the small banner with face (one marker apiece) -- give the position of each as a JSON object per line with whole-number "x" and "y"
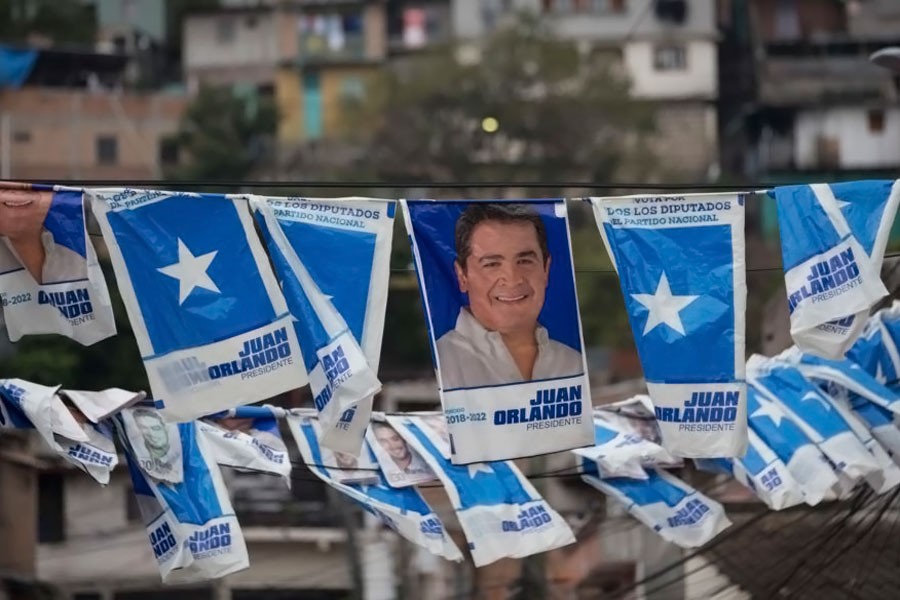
{"x": 50, "y": 280}
{"x": 499, "y": 292}
{"x": 193, "y": 531}
{"x": 681, "y": 266}
{"x": 403, "y": 510}
{"x": 210, "y": 321}
{"x": 332, "y": 259}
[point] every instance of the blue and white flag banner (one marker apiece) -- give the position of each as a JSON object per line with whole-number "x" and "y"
{"x": 812, "y": 411}
{"x": 886, "y": 369}
{"x": 500, "y": 512}
{"x": 620, "y": 451}
{"x": 833, "y": 238}
{"x": 97, "y": 406}
{"x": 211, "y": 324}
{"x": 677, "y": 512}
{"x": 681, "y": 266}
{"x": 803, "y": 459}
{"x": 888, "y": 475}
{"x": 26, "y": 405}
{"x": 50, "y": 280}
{"x": 498, "y": 287}
{"x": 881, "y": 422}
{"x": 403, "y": 510}
{"x": 635, "y": 416}
{"x": 247, "y": 438}
{"x": 332, "y": 259}
{"x": 762, "y": 471}
{"x": 845, "y": 374}
{"x": 193, "y": 531}
{"x": 402, "y": 465}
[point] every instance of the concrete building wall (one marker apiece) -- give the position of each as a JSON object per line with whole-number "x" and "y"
{"x": 857, "y": 138}
{"x": 18, "y": 509}
{"x": 59, "y": 133}
{"x": 686, "y": 142}
{"x": 696, "y": 77}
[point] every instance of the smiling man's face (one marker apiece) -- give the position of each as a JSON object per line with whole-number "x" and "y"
{"x": 22, "y": 212}
{"x": 505, "y": 276}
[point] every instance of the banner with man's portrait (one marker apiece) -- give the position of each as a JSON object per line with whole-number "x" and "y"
{"x": 50, "y": 280}
{"x": 499, "y": 293}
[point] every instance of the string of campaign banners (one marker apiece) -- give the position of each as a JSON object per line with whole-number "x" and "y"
{"x": 818, "y": 429}
{"x": 219, "y": 326}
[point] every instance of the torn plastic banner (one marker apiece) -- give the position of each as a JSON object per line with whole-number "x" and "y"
{"x": 332, "y": 258}
{"x": 500, "y": 512}
{"x": 50, "y": 279}
{"x": 811, "y": 410}
{"x": 88, "y": 446}
{"x": 833, "y": 238}
{"x": 211, "y": 324}
{"x": 803, "y": 459}
{"x": 403, "y": 510}
{"x": 193, "y": 532}
{"x": 667, "y": 505}
{"x": 681, "y": 267}
{"x": 247, "y": 438}
{"x": 620, "y": 452}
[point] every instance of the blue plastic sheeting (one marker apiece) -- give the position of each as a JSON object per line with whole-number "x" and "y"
{"x": 15, "y": 66}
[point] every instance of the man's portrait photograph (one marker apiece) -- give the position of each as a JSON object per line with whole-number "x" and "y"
{"x": 401, "y": 464}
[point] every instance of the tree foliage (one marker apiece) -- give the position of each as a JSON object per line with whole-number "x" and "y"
{"x": 61, "y": 21}
{"x": 224, "y": 135}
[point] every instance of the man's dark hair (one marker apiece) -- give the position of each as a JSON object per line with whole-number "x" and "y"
{"x": 479, "y": 212}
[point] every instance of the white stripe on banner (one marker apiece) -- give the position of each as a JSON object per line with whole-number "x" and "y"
{"x": 210, "y": 322}
{"x": 403, "y": 510}
{"x": 500, "y": 512}
{"x": 332, "y": 258}
{"x": 681, "y": 267}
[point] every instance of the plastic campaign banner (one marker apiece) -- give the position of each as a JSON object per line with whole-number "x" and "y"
{"x": 193, "y": 531}
{"x": 833, "y": 238}
{"x": 803, "y": 459}
{"x": 88, "y": 446}
{"x": 811, "y": 410}
{"x": 343, "y": 466}
{"x": 332, "y": 258}
{"x": 635, "y": 416}
{"x": 880, "y": 421}
{"x": 681, "y": 267}
{"x": 667, "y": 505}
{"x": 619, "y": 451}
{"x": 97, "y": 406}
{"x": 210, "y": 322}
{"x": 500, "y": 512}
{"x": 50, "y": 280}
{"x": 498, "y": 287}
{"x": 401, "y": 464}
{"x": 403, "y": 510}
{"x": 875, "y": 350}
{"x": 155, "y": 443}
{"x": 248, "y": 438}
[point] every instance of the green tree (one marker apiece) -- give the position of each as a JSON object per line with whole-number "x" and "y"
{"x": 62, "y": 21}
{"x": 224, "y": 135}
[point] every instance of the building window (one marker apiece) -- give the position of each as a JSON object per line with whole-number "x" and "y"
{"x": 672, "y": 57}
{"x": 225, "y": 30}
{"x": 107, "y": 150}
{"x": 168, "y": 152}
{"x": 876, "y": 121}
{"x": 353, "y": 89}
{"x": 51, "y": 508}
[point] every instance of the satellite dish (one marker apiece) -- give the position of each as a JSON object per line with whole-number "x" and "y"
{"x": 889, "y": 58}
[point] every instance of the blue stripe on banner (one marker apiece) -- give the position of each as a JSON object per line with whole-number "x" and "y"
{"x": 195, "y": 500}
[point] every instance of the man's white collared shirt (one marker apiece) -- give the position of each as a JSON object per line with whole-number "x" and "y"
{"x": 472, "y": 356}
